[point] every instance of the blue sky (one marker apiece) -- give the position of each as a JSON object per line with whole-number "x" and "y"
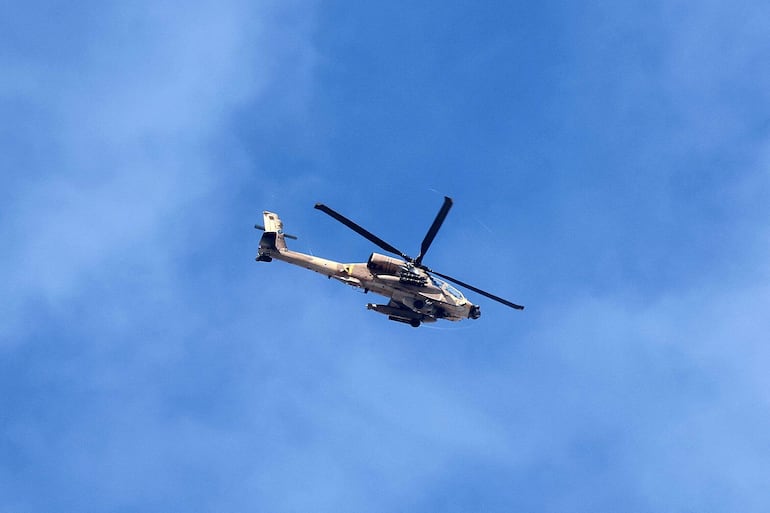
{"x": 609, "y": 165}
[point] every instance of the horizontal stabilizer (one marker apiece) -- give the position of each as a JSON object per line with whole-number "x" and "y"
{"x": 260, "y": 227}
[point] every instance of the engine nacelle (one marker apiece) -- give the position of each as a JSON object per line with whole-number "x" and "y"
{"x": 381, "y": 264}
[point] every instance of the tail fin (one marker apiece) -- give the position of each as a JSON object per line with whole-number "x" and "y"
{"x": 273, "y": 238}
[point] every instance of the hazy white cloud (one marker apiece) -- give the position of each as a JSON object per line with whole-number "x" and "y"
{"x": 130, "y": 119}
{"x": 669, "y": 398}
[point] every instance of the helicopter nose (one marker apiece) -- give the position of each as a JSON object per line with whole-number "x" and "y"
{"x": 475, "y": 312}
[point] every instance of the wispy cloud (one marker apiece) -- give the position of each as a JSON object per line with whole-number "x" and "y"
{"x": 131, "y": 114}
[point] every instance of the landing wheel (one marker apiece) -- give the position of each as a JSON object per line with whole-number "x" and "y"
{"x": 414, "y": 323}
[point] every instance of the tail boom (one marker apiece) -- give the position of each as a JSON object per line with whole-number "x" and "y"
{"x": 273, "y": 245}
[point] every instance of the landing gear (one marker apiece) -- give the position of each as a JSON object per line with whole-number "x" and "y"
{"x": 414, "y": 323}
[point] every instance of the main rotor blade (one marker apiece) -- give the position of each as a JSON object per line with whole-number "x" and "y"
{"x": 361, "y": 231}
{"x": 428, "y": 240}
{"x": 479, "y": 291}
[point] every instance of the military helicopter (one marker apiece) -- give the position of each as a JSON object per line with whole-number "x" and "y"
{"x": 417, "y": 293}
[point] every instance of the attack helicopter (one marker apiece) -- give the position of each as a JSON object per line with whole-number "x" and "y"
{"x": 417, "y": 293}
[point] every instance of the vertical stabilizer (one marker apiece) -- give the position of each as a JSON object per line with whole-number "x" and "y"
{"x": 273, "y": 238}
{"x": 273, "y": 223}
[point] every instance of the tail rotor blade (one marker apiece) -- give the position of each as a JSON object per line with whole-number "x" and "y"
{"x": 433, "y": 230}
{"x": 361, "y": 231}
{"x": 478, "y": 290}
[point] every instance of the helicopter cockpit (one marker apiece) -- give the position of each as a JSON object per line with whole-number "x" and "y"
{"x": 448, "y": 289}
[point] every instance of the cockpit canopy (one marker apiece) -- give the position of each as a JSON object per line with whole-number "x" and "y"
{"x": 448, "y": 289}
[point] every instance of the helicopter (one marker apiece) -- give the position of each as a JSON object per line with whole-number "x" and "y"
{"x": 417, "y": 293}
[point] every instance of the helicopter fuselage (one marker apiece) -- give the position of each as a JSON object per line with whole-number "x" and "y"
{"x": 415, "y": 296}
